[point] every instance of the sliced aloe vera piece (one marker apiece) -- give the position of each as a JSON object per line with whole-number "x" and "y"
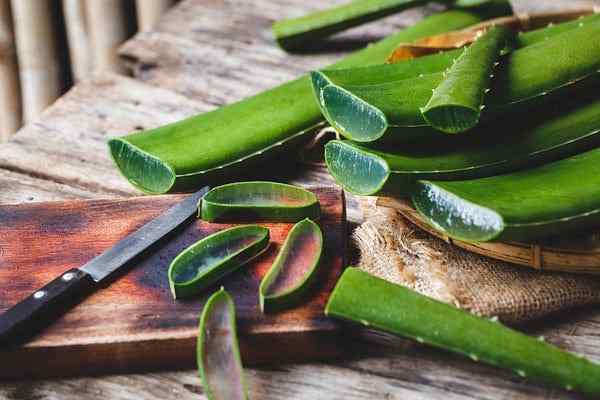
{"x": 382, "y": 305}
{"x": 548, "y": 200}
{"x": 193, "y": 152}
{"x": 215, "y": 256}
{"x": 218, "y": 354}
{"x": 259, "y": 200}
{"x": 505, "y": 146}
{"x": 456, "y": 103}
{"x": 366, "y": 112}
{"x": 294, "y": 269}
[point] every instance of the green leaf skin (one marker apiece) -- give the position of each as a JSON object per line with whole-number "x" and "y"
{"x": 257, "y": 200}
{"x": 217, "y": 145}
{"x": 367, "y": 112}
{"x": 218, "y": 354}
{"x": 548, "y": 200}
{"x": 210, "y": 259}
{"x": 292, "y": 33}
{"x": 294, "y": 269}
{"x": 381, "y": 305}
{"x": 456, "y": 103}
{"x": 439, "y": 62}
{"x": 562, "y": 130}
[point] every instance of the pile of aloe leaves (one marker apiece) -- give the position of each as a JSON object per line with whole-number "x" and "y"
{"x": 493, "y": 140}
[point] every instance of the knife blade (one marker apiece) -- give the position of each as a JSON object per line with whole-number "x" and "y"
{"x": 36, "y": 310}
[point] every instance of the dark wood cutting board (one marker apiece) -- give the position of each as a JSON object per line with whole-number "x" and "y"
{"x": 133, "y": 323}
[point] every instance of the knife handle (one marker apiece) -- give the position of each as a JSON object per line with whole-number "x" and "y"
{"x": 37, "y": 310}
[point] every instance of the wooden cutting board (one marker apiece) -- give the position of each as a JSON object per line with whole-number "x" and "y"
{"x": 133, "y": 323}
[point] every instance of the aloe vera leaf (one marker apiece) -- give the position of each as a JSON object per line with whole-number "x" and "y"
{"x": 259, "y": 200}
{"x": 376, "y": 74}
{"x": 215, "y": 256}
{"x": 365, "y": 113}
{"x": 548, "y": 200}
{"x": 382, "y": 305}
{"x": 507, "y": 145}
{"x": 218, "y": 354}
{"x": 192, "y": 152}
{"x": 293, "y": 32}
{"x": 456, "y": 103}
{"x": 294, "y": 269}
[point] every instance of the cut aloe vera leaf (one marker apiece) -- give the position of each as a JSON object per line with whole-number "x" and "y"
{"x": 456, "y": 103}
{"x": 377, "y": 74}
{"x": 294, "y": 269}
{"x": 259, "y": 201}
{"x": 561, "y": 131}
{"x": 381, "y": 305}
{"x": 218, "y": 354}
{"x": 366, "y": 113}
{"x": 548, "y": 200}
{"x": 210, "y": 259}
{"x": 192, "y": 152}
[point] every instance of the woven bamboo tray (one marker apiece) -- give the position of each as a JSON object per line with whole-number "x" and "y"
{"x": 578, "y": 253}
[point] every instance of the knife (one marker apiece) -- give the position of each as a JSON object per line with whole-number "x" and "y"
{"x": 35, "y": 311}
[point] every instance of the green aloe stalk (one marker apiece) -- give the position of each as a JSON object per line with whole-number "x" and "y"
{"x": 219, "y": 144}
{"x": 456, "y": 103}
{"x": 218, "y": 354}
{"x": 548, "y": 200}
{"x": 259, "y": 200}
{"x": 561, "y": 131}
{"x": 208, "y": 260}
{"x": 382, "y": 305}
{"x": 366, "y": 112}
{"x": 294, "y": 269}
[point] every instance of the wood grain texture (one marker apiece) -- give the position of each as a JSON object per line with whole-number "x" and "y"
{"x": 133, "y": 323}
{"x": 211, "y": 52}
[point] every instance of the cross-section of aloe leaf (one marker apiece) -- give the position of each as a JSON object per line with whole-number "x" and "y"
{"x": 259, "y": 201}
{"x": 456, "y": 103}
{"x": 561, "y": 131}
{"x": 215, "y": 256}
{"x": 294, "y": 269}
{"x": 366, "y": 112}
{"x": 548, "y": 200}
{"x": 381, "y": 305}
{"x": 222, "y": 143}
{"x": 218, "y": 354}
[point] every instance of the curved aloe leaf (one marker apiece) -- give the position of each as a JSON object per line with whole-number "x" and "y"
{"x": 218, "y": 354}
{"x": 382, "y": 305}
{"x": 192, "y": 152}
{"x": 365, "y": 113}
{"x": 545, "y": 201}
{"x": 215, "y": 256}
{"x": 259, "y": 200}
{"x": 292, "y": 33}
{"x": 376, "y": 74}
{"x": 294, "y": 269}
{"x": 489, "y": 150}
{"x": 456, "y": 103}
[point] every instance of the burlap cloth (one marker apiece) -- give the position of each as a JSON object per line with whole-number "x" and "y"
{"x": 393, "y": 249}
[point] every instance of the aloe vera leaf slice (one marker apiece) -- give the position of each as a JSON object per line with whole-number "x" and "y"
{"x": 365, "y": 113}
{"x": 381, "y": 305}
{"x": 456, "y": 103}
{"x": 192, "y": 152}
{"x": 376, "y": 74}
{"x": 506, "y": 146}
{"x": 292, "y": 33}
{"x": 548, "y": 200}
{"x": 294, "y": 269}
{"x": 259, "y": 200}
{"x": 215, "y": 256}
{"x": 218, "y": 354}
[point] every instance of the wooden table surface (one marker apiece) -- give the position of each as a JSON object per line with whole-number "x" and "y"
{"x": 205, "y": 53}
